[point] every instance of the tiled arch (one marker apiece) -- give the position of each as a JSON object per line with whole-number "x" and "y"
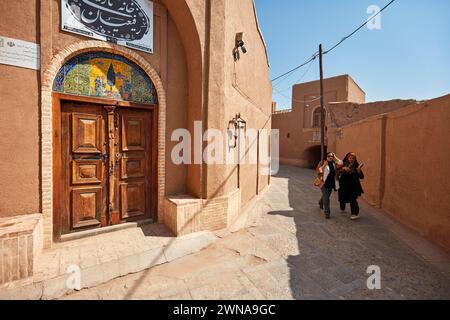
{"x": 46, "y": 123}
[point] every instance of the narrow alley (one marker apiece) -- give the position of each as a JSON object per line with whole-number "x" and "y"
{"x": 287, "y": 250}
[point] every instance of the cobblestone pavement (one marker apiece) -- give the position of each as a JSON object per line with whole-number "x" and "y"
{"x": 289, "y": 251}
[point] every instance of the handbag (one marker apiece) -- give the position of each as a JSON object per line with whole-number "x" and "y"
{"x": 318, "y": 182}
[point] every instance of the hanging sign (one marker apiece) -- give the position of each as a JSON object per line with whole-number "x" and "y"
{"x": 126, "y": 22}
{"x": 19, "y": 53}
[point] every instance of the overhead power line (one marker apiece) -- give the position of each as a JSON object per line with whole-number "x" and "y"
{"x": 297, "y": 80}
{"x": 298, "y": 67}
{"x": 316, "y": 54}
{"x": 359, "y": 28}
{"x": 296, "y": 100}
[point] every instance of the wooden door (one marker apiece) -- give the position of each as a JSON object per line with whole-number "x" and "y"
{"x": 133, "y": 174}
{"x": 84, "y": 179}
{"x": 106, "y": 166}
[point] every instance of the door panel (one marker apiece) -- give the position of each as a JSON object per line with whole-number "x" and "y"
{"x": 133, "y": 199}
{"x": 133, "y": 131}
{"x": 134, "y": 176}
{"x": 87, "y": 171}
{"x": 87, "y": 207}
{"x": 133, "y": 167}
{"x": 83, "y": 169}
{"x": 87, "y": 135}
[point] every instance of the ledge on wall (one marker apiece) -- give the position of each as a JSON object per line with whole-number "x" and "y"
{"x": 20, "y": 243}
{"x": 186, "y": 214}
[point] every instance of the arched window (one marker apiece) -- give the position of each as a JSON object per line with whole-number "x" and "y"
{"x": 105, "y": 75}
{"x": 316, "y": 118}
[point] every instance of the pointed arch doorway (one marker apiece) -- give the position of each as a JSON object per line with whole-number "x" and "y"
{"x": 105, "y": 144}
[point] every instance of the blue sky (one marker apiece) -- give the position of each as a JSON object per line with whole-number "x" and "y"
{"x": 408, "y": 58}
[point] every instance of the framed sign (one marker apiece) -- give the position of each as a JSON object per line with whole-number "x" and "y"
{"x": 19, "y": 53}
{"x": 126, "y": 22}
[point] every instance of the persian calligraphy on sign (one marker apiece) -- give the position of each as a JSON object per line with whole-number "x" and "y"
{"x": 125, "y": 22}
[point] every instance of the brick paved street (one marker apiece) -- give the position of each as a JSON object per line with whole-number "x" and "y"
{"x": 289, "y": 251}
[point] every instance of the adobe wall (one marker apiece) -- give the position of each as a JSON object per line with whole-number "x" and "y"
{"x": 407, "y": 158}
{"x": 235, "y": 87}
{"x": 248, "y": 91}
{"x": 19, "y": 116}
{"x": 227, "y": 88}
{"x": 343, "y": 113}
{"x": 364, "y": 139}
{"x": 290, "y": 133}
{"x": 355, "y": 93}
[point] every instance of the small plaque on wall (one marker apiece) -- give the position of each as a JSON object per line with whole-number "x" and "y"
{"x": 19, "y": 53}
{"x": 127, "y": 23}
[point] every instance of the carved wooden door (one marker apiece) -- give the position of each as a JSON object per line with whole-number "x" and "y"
{"x": 84, "y": 176}
{"x": 134, "y": 159}
{"x": 106, "y": 163}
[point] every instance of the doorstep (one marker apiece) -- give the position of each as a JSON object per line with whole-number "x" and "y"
{"x": 102, "y": 258}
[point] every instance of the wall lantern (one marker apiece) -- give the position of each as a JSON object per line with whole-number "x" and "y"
{"x": 236, "y": 124}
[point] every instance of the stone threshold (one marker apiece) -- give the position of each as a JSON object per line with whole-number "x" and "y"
{"x": 102, "y": 258}
{"x": 94, "y": 232}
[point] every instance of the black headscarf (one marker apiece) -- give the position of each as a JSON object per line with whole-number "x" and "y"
{"x": 346, "y": 163}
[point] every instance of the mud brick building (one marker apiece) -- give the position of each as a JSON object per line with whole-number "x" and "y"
{"x": 86, "y": 135}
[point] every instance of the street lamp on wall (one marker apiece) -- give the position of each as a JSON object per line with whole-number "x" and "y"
{"x": 237, "y": 123}
{"x": 235, "y": 126}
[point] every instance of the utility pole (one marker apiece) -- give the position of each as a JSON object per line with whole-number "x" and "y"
{"x": 322, "y": 108}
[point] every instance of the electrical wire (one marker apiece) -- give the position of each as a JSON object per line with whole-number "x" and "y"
{"x": 359, "y": 28}
{"x": 296, "y": 100}
{"x": 298, "y": 80}
{"x": 316, "y": 54}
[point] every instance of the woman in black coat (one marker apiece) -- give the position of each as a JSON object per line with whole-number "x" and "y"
{"x": 350, "y": 185}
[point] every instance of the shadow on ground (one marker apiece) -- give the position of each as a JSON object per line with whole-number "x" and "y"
{"x": 334, "y": 254}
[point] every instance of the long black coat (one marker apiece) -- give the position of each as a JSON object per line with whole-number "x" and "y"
{"x": 350, "y": 185}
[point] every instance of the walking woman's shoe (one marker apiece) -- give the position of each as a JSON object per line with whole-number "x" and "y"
{"x": 355, "y": 217}
{"x": 327, "y": 216}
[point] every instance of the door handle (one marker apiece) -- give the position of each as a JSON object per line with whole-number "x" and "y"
{"x": 118, "y": 157}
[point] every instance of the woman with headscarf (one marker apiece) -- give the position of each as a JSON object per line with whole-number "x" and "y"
{"x": 350, "y": 185}
{"x": 327, "y": 171}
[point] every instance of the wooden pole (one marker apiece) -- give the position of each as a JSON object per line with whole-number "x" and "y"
{"x": 322, "y": 108}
